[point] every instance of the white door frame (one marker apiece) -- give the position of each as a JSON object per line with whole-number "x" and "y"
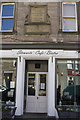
{"x": 51, "y": 85}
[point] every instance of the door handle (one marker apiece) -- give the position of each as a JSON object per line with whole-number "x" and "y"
{"x": 37, "y": 97}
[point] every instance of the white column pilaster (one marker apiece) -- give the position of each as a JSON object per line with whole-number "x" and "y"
{"x": 20, "y": 85}
{"x": 51, "y": 88}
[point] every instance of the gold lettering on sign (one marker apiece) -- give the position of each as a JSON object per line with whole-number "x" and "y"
{"x": 38, "y": 14}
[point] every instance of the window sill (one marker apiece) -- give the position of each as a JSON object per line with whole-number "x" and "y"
{"x": 69, "y": 32}
{"x": 11, "y": 32}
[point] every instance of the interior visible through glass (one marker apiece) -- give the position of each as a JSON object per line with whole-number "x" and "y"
{"x": 8, "y": 78}
{"x": 31, "y": 84}
{"x": 68, "y": 82}
{"x": 42, "y": 84}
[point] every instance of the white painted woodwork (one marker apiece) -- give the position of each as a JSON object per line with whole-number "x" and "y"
{"x": 36, "y": 104}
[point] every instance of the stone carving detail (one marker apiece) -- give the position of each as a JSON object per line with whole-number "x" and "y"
{"x": 38, "y": 21}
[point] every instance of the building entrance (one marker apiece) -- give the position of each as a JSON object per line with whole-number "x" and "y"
{"x": 36, "y": 92}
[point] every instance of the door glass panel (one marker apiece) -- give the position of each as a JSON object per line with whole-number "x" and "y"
{"x": 42, "y": 84}
{"x": 31, "y": 84}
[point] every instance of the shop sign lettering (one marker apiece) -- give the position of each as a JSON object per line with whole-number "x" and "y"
{"x": 38, "y": 52}
{"x": 22, "y": 52}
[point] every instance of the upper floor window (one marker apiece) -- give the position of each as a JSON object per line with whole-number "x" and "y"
{"x": 69, "y": 17}
{"x": 7, "y": 17}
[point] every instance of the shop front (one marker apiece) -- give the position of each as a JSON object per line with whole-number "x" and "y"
{"x": 40, "y": 74}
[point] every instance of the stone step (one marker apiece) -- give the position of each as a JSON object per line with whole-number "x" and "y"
{"x": 34, "y": 116}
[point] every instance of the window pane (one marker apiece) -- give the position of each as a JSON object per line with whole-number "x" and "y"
{"x": 65, "y": 84}
{"x": 69, "y": 10}
{"x": 68, "y": 83}
{"x": 8, "y": 10}
{"x": 7, "y": 24}
{"x": 8, "y": 85}
{"x": 69, "y": 24}
{"x": 42, "y": 84}
{"x": 31, "y": 84}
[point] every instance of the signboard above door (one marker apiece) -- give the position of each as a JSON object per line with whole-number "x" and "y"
{"x": 40, "y": 52}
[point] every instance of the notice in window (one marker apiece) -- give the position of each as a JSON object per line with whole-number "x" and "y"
{"x": 42, "y": 87}
{"x": 12, "y": 84}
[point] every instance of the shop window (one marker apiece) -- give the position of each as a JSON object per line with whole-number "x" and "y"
{"x": 69, "y": 17}
{"x": 68, "y": 83}
{"x": 7, "y": 17}
{"x": 8, "y": 85}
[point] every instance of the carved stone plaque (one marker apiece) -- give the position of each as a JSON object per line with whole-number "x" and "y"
{"x": 38, "y": 14}
{"x": 38, "y": 20}
{"x": 37, "y": 29}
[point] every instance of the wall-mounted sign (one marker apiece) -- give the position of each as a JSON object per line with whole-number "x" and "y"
{"x": 40, "y": 52}
{"x": 72, "y": 72}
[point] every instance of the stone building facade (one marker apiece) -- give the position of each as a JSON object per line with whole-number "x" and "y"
{"x": 56, "y": 35}
{"x": 40, "y": 37}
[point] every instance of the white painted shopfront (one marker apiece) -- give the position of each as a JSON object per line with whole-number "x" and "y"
{"x": 49, "y": 99}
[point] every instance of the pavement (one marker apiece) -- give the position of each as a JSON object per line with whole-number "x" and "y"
{"x": 34, "y": 116}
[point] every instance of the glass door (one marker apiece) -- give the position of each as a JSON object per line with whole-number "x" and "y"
{"x": 42, "y": 92}
{"x": 31, "y": 92}
{"x": 36, "y": 92}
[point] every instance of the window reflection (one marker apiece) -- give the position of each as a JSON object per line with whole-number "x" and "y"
{"x": 7, "y": 86}
{"x": 42, "y": 85}
{"x": 31, "y": 84}
{"x": 7, "y": 17}
{"x": 68, "y": 83}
